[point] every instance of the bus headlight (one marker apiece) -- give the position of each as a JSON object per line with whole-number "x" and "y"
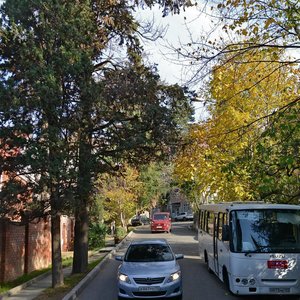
{"x": 244, "y": 281}
{"x": 252, "y": 281}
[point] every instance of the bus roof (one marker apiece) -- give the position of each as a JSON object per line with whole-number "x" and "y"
{"x": 228, "y": 206}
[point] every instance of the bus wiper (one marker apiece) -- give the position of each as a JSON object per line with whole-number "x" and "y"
{"x": 258, "y": 249}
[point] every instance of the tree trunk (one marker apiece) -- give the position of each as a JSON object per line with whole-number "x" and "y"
{"x": 57, "y": 272}
{"x": 84, "y": 188}
{"x": 80, "y": 258}
{"x": 123, "y": 220}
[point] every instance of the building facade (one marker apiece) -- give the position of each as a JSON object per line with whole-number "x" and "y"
{"x": 178, "y": 202}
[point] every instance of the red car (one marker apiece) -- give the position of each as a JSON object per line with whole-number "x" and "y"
{"x": 161, "y": 222}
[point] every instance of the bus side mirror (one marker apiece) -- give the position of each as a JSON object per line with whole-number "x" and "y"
{"x": 225, "y": 233}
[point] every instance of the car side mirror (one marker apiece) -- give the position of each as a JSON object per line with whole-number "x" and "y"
{"x": 225, "y": 233}
{"x": 119, "y": 258}
{"x": 179, "y": 256}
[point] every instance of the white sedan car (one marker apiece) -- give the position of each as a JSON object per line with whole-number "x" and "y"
{"x": 184, "y": 216}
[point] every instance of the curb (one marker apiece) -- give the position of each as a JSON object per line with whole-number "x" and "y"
{"x": 22, "y": 286}
{"x": 17, "y": 289}
{"x": 72, "y": 295}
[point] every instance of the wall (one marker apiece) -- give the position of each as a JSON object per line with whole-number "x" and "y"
{"x": 39, "y": 245}
{"x": 24, "y": 249}
{"x": 12, "y": 251}
{"x": 67, "y": 233}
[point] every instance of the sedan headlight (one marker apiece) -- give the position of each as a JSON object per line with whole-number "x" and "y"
{"x": 174, "y": 276}
{"x": 123, "y": 277}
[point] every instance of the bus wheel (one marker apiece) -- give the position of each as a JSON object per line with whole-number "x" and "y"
{"x": 226, "y": 280}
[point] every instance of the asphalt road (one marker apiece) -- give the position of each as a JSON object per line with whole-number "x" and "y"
{"x": 198, "y": 284}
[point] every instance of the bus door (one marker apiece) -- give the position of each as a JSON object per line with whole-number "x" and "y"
{"x": 215, "y": 243}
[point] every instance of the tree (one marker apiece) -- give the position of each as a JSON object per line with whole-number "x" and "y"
{"x": 221, "y": 157}
{"x": 246, "y": 28}
{"x": 76, "y": 108}
{"x": 131, "y": 190}
{"x": 269, "y": 23}
{"x": 35, "y": 92}
{"x": 156, "y": 182}
{"x": 275, "y": 168}
{"x": 136, "y": 119}
{"x": 118, "y": 194}
{"x": 239, "y": 26}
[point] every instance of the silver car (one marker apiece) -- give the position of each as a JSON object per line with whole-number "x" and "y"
{"x": 184, "y": 216}
{"x": 149, "y": 269}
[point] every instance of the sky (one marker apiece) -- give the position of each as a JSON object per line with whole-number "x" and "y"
{"x": 176, "y": 34}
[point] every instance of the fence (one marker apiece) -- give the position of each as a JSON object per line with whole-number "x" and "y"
{"x": 24, "y": 249}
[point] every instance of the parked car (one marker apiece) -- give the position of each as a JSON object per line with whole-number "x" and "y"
{"x": 184, "y": 216}
{"x": 149, "y": 269}
{"x": 136, "y": 221}
{"x": 161, "y": 222}
{"x": 145, "y": 220}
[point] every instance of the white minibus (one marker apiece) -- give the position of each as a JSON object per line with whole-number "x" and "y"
{"x": 253, "y": 247}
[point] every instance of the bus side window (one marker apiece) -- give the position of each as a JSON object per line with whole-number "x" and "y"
{"x": 210, "y": 223}
{"x": 201, "y": 219}
{"x": 206, "y": 215}
{"x": 221, "y": 223}
{"x": 225, "y": 219}
{"x": 233, "y": 222}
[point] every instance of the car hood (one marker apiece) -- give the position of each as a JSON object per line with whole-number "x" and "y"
{"x": 149, "y": 268}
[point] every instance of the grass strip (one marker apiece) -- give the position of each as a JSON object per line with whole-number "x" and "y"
{"x": 4, "y": 287}
{"x": 69, "y": 283}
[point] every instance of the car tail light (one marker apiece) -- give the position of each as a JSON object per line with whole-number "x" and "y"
{"x": 277, "y": 264}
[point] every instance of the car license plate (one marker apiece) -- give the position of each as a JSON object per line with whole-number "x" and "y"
{"x": 149, "y": 288}
{"x": 159, "y": 227}
{"x": 280, "y": 290}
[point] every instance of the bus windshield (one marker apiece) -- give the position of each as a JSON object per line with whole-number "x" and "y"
{"x": 265, "y": 231}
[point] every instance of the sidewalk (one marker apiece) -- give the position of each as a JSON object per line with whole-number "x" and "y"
{"x": 32, "y": 289}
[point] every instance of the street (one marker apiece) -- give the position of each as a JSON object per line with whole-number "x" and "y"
{"x": 197, "y": 282}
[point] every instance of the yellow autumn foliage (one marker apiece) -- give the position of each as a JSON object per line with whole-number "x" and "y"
{"x": 119, "y": 195}
{"x": 244, "y": 92}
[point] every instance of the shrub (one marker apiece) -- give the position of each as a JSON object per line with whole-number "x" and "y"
{"x": 120, "y": 232}
{"x": 97, "y": 235}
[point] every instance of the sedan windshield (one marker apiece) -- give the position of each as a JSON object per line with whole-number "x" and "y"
{"x": 265, "y": 230}
{"x": 160, "y": 217}
{"x": 148, "y": 253}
